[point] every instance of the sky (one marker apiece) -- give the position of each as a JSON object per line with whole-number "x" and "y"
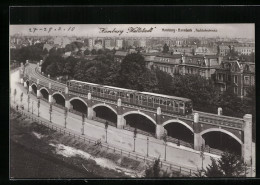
{"x": 131, "y": 30}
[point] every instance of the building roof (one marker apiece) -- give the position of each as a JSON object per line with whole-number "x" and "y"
{"x": 223, "y": 47}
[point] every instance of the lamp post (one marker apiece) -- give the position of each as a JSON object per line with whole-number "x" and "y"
{"x": 21, "y": 98}
{"x": 28, "y": 101}
{"x": 32, "y": 107}
{"x": 202, "y": 155}
{"x": 83, "y": 120}
{"x": 135, "y": 133}
{"x": 50, "y": 111}
{"x": 65, "y": 116}
{"x": 147, "y": 145}
{"x": 106, "y": 126}
{"x": 165, "y": 143}
{"x": 38, "y": 105}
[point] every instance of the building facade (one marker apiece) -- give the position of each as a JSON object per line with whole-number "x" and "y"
{"x": 236, "y": 75}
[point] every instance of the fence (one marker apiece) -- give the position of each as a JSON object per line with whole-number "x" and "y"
{"x": 173, "y": 167}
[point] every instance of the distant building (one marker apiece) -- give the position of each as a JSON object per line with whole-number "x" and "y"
{"x": 61, "y": 41}
{"x": 143, "y": 43}
{"x": 90, "y": 43}
{"x": 244, "y": 49}
{"x": 47, "y": 46}
{"x": 119, "y": 43}
{"x": 182, "y": 64}
{"x": 204, "y": 66}
{"x": 182, "y": 50}
{"x": 166, "y": 63}
{"x": 236, "y": 75}
{"x": 224, "y": 50}
{"x": 108, "y": 44}
{"x": 206, "y": 51}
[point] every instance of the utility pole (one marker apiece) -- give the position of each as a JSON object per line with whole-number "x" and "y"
{"x": 38, "y": 105}
{"x": 65, "y": 116}
{"x": 135, "y": 133}
{"x": 28, "y": 101}
{"x": 50, "y": 111}
{"x": 106, "y": 126}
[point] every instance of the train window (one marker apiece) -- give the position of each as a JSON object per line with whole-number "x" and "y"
{"x": 156, "y": 101}
{"x": 150, "y": 100}
{"x": 144, "y": 98}
{"x": 181, "y": 105}
{"x": 169, "y": 103}
{"x": 164, "y": 102}
{"x": 176, "y": 104}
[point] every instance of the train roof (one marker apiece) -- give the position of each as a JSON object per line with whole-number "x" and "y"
{"x": 166, "y": 96}
{"x": 118, "y": 88}
{"x": 84, "y": 82}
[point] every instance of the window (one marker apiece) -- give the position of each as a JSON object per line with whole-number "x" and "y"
{"x": 246, "y": 80}
{"x": 245, "y": 92}
{"x": 235, "y": 79}
{"x": 235, "y": 90}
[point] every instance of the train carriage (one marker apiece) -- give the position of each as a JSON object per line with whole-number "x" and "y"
{"x": 170, "y": 104}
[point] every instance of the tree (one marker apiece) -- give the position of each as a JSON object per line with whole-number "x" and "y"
{"x": 45, "y": 51}
{"x": 100, "y": 51}
{"x": 165, "y": 48}
{"x": 201, "y": 91}
{"x": 86, "y": 52}
{"x": 52, "y": 69}
{"x": 213, "y": 170}
{"x": 154, "y": 169}
{"x": 231, "y": 104}
{"x": 132, "y": 72}
{"x": 229, "y": 165}
{"x": 164, "y": 82}
{"x": 93, "y": 52}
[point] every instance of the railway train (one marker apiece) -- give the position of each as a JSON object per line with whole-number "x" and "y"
{"x": 170, "y": 104}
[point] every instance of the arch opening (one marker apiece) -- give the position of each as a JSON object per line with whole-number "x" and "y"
{"x": 141, "y": 122}
{"x": 34, "y": 88}
{"x": 104, "y": 114}
{"x": 78, "y": 106}
{"x": 179, "y": 133}
{"x": 59, "y": 99}
{"x": 44, "y": 93}
{"x": 222, "y": 141}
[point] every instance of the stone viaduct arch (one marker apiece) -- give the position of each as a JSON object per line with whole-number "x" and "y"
{"x": 223, "y": 131}
{"x": 141, "y": 113}
{"x": 105, "y": 105}
{"x": 178, "y": 121}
